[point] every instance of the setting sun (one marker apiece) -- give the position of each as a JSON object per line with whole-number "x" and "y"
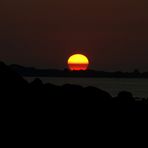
{"x": 78, "y": 62}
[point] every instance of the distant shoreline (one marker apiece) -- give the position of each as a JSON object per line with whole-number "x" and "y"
{"x": 33, "y": 72}
{"x": 85, "y": 77}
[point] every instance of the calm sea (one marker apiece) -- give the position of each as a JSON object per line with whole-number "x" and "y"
{"x": 138, "y": 87}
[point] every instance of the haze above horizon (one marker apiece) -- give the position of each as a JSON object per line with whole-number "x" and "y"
{"x": 112, "y": 34}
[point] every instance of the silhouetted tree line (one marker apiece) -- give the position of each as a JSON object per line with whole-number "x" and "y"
{"x": 30, "y": 71}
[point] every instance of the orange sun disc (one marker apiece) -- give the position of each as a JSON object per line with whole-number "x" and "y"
{"x": 78, "y": 62}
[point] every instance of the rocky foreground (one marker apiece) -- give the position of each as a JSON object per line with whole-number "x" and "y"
{"x": 68, "y": 114}
{"x": 17, "y": 92}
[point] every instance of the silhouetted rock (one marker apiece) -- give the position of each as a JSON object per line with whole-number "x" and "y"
{"x": 125, "y": 97}
{"x": 97, "y": 93}
{"x": 34, "y": 107}
{"x": 10, "y": 77}
{"x": 12, "y": 85}
{"x": 65, "y": 101}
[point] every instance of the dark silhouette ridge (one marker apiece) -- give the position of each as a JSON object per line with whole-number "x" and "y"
{"x": 33, "y": 72}
{"x": 11, "y": 77}
{"x": 126, "y": 97}
{"x": 66, "y": 97}
{"x": 59, "y": 108}
{"x": 39, "y": 108}
{"x": 11, "y": 83}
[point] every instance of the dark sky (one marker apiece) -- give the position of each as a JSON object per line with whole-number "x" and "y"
{"x": 44, "y": 33}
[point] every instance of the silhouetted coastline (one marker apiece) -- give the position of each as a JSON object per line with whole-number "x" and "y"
{"x": 33, "y": 72}
{"x": 67, "y": 99}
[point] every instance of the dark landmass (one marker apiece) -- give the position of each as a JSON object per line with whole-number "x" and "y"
{"x": 33, "y": 72}
{"x": 69, "y": 97}
{"x": 37, "y": 110}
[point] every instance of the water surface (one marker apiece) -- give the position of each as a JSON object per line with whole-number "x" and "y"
{"x": 138, "y": 87}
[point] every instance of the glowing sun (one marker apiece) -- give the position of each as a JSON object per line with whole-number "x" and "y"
{"x": 78, "y": 62}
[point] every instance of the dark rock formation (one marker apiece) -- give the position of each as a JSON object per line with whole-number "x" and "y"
{"x": 38, "y": 110}
{"x": 67, "y": 99}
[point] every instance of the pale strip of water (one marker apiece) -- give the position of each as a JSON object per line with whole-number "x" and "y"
{"x": 138, "y": 87}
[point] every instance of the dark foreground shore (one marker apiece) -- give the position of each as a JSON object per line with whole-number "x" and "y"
{"x": 67, "y": 113}
{"x": 67, "y": 98}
